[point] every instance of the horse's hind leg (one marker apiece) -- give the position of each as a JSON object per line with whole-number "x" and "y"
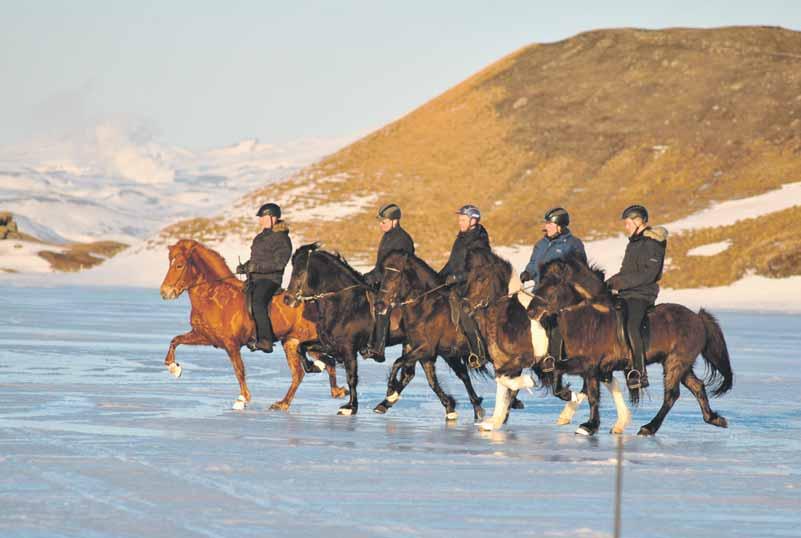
{"x": 188, "y": 339}
{"x": 239, "y": 369}
{"x": 429, "y": 367}
{"x": 576, "y": 398}
{"x": 673, "y": 373}
{"x": 696, "y": 386}
{"x": 461, "y": 372}
{"x": 336, "y": 390}
{"x": 293, "y": 359}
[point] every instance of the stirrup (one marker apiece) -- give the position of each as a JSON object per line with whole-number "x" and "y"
{"x": 474, "y": 361}
{"x": 548, "y": 364}
{"x": 634, "y": 380}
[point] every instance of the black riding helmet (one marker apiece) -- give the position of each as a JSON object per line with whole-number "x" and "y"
{"x": 269, "y": 209}
{"x": 558, "y": 215}
{"x": 389, "y": 211}
{"x": 634, "y": 211}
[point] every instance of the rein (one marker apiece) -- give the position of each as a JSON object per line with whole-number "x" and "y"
{"x": 317, "y": 296}
{"x": 186, "y": 266}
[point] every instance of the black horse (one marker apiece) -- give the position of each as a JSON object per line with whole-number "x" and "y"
{"x": 344, "y": 318}
{"x": 575, "y": 292}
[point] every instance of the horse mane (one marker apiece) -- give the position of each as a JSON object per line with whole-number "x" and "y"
{"x": 591, "y": 274}
{"x": 333, "y": 257}
{"x": 428, "y": 274}
{"x": 208, "y": 261}
{"x": 501, "y": 267}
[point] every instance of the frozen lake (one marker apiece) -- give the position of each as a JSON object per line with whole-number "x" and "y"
{"x": 97, "y": 440}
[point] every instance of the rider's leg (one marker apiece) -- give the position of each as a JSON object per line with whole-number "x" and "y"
{"x": 636, "y": 310}
{"x": 378, "y": 337}
{"x": 478, "y": 354}
{"x": 262, "y": 295}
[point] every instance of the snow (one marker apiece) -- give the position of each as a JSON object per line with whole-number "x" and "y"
{"x": 23, "y": 257}
{"x": 710, "y": 249}
{"x": 96, "y": 439}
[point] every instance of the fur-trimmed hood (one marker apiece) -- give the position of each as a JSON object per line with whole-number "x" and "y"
{"x": 281, "y": 226}
{"x": 657, "y": 233}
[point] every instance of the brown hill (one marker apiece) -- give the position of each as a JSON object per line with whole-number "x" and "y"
{"x": 674, "y": 119}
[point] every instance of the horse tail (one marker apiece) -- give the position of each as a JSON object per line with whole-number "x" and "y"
{"x": 719, "y": 377}
{"x": 482, "y": 372}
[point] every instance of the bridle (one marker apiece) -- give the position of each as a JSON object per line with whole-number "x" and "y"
{"x": 300, "y": 297}
{"x": 393, "y": 304}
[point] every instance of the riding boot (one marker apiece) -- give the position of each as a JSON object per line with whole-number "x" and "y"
{"x": 477, "y": 352}
{"x": 555, "y": 342}
{"x": 378, "y": 338}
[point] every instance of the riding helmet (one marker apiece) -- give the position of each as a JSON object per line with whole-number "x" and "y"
{"x": 634, "y": 211}
{"x": 558, "y": 215}
{"x": 470, "y": 211}
{"x": 269, "y": 209}
{"x": 389, "y": 211}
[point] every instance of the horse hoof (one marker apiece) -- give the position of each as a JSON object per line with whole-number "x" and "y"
{"x": 645, "y": 432}
{"x": 585, "y": 431}
{"x": 239, "y": 404}
{"x": 486, "y": 425}
{"x": 394, "y": 397}
{"x": 279, "y": 406}
{"x": 563, "y": 421}
{"x": 345, "y": 412}
{"x": 175, "y": 369}
{"x": 319, "y": 364}
{"x": 479, "y": 413}
{"x": 381, "y": 409}
{"x": 720, "y": 422}
{"x": 517, "y": 404}
{"x": 339, "y": 393}
{"x": 453, "y": 415}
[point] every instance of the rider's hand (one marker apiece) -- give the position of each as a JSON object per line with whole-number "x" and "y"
{"x": 242, "y": 268}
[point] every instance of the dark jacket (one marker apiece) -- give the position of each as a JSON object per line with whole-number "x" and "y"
{"x": 556, "y": 248}
{"x": 395, "y": 239}
{"x": 269, "y": 254}
{"x": 642, "y": 265}
{"x": 473, "y": 238}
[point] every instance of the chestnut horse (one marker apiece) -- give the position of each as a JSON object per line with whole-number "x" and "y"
{"x": 220, "y": 318}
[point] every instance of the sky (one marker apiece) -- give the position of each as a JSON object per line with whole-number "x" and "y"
{"x": 202, "y": 74}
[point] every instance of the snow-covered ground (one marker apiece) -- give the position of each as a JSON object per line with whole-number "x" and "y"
{"x": 97, "y": 440}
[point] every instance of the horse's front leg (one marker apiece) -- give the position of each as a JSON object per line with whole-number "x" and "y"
{"x": 351, "y": 369}
{"x": 576, "y": 398}
{"x": 189, "y": 339}
{"x": 462, "y": 373}
{"x": 293, "y": 360}
{"x": 503, "y": 398}
{"x": 331, "y": 369}
{"x": 593, "y": 397}
{"x": 429, "y": 367}
{"x": 405, "y": 364}
{"x": 239, "y": 370}
{"x": 623, "y": 413}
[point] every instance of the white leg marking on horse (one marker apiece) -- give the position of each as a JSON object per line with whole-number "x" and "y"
{"x": 453, "y": 415}
{"x": 566, "y": 416}
{"x": 239, "y": 404}
{"x": 394, "y": 397}
{"x": 539, "y": 338}
{"x": 517, "y": 383}
{"x": 503, "y": 397}
{"x": 582, "y": 431}
{"x": 345, "y": 412}
{"x": 319, "y": 364}
{"x": 623, "y": 413}
{"x": 175, "y": 369}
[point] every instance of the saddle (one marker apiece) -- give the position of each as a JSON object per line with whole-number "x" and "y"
{"x": 621, "y": 314}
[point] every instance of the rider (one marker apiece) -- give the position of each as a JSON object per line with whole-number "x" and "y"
{"x": 636, "y": 282}
{"x": 394, "y": 239}
{"x": 269, "y": 254}
{"x": 557, "y": 244}
{"x": 472, "y": 235}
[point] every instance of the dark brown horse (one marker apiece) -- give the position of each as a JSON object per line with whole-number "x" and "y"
{"x": 345, "y": 321}
{"x": 575, "y": 292}
{"x": 414, "y": 290}
{"x": 220, "y": 318}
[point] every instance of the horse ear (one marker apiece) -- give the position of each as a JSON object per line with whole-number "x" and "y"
{"x": 317, "y": 245}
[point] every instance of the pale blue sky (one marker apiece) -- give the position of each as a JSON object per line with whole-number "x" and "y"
{"x": 201, "y": 74}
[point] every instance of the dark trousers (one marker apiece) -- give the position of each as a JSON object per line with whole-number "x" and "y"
{"x": 263, "y": 291}
{"x": 554, "y": 339}
{"x": 635, "y": 313}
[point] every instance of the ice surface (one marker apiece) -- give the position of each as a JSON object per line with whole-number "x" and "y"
{"x": 97, "y": 440}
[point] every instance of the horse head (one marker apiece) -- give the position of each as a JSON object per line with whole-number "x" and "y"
{"x": 488, "y": 275}
{"x": 564, "y": 283}
{"x": 299, "y": 280}
{"x": 182, "y": 272}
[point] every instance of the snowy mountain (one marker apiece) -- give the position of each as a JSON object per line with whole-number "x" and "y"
{"x": 113, "y": 183}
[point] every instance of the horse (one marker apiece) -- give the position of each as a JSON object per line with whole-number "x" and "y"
{"x": 220, "y": 318}
{"x": 576, "y": 293}
{"x": 514, "y": 341}
{"x": 345, "y": 321}
{"x": 410, "y": 286}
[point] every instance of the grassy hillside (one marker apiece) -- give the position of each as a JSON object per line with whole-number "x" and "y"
{"x": 674, "y": 119}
